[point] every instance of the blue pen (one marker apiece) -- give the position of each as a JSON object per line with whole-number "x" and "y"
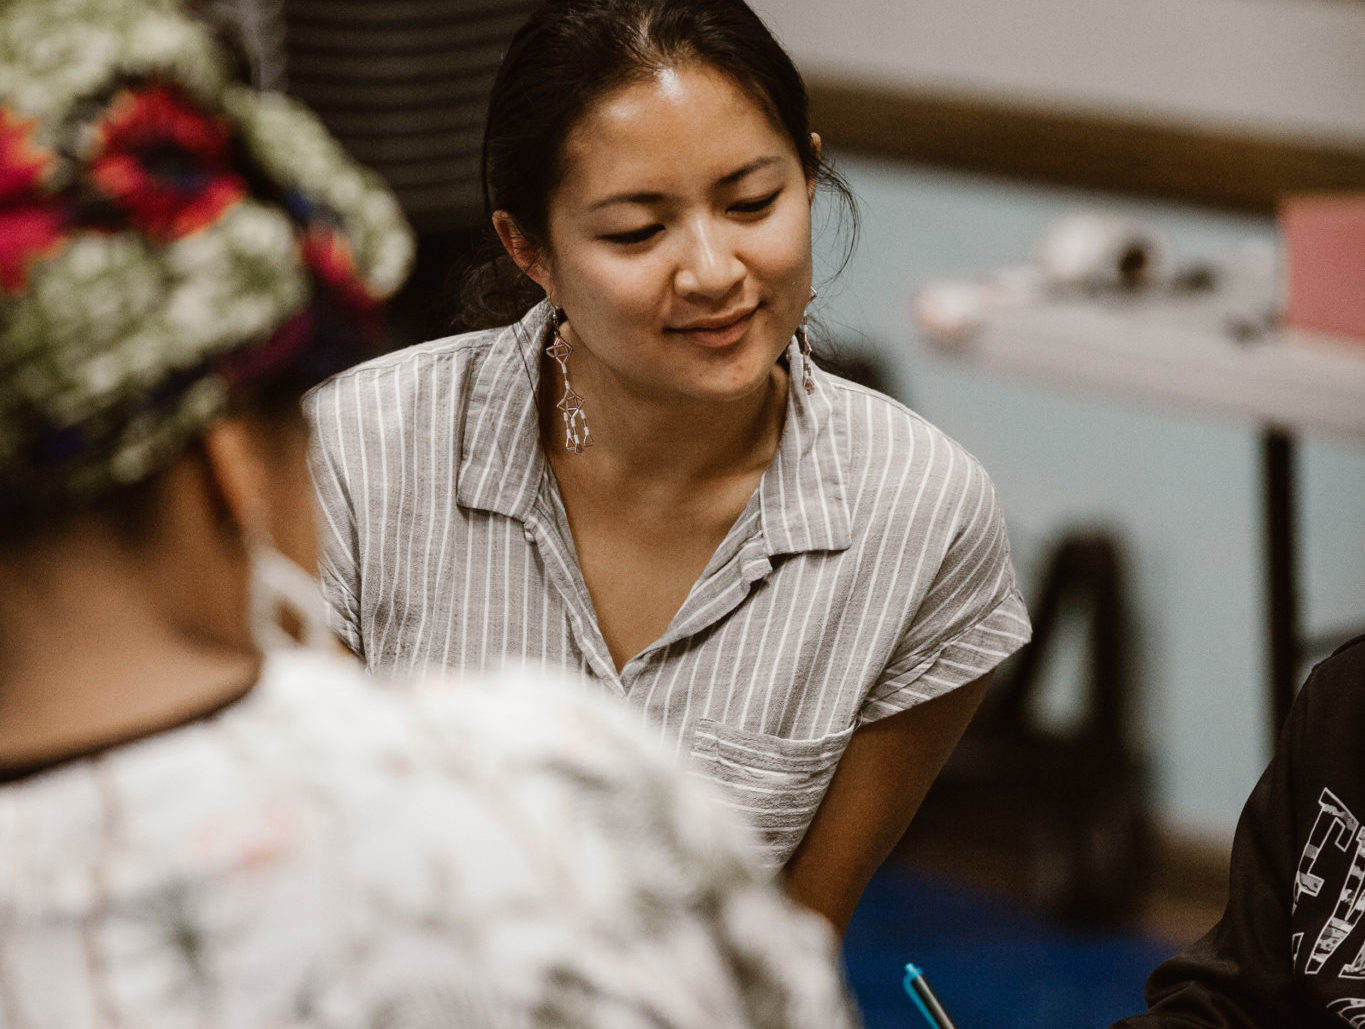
{"x": 918, "y": 988}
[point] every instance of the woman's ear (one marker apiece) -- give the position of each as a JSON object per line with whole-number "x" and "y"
{"x": 258, "y": 469}
{"x": 526, "y": 254}
{"x": 238, "y": 473}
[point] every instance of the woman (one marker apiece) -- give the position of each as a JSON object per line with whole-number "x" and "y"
{"x": 200, "y": 832}
{"x": 646, "y": 477}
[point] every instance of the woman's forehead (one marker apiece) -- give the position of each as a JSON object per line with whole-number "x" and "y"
{"x": 683, "y": 127}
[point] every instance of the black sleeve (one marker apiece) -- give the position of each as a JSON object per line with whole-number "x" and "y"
{"x": 1241, "y": 973}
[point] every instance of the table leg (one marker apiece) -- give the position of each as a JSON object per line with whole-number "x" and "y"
{"x": 1282, "y": 602}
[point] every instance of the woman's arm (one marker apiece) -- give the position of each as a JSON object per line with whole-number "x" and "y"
{"x": 876, "y": 790}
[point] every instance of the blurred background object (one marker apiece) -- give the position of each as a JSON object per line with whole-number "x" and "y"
{"x": 1324, "y": 250}
{"x": 404, "y": 85}
{"x": 1098, "y": 249}
{"x": 1066, "y": 805}
{"x": 260, "y": 30}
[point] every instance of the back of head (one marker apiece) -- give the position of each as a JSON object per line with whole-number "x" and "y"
{"x": 171, "y": 243}
{"x": 571, "y": 53}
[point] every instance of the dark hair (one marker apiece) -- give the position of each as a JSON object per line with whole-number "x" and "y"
{"x": 131, "y": 511}
{"x": 567, "y": 56}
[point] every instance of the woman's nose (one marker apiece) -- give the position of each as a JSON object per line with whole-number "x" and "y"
{"x": 708, "y": 264}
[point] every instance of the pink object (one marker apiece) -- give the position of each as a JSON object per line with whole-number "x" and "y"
{"x": 1324, "y": 245}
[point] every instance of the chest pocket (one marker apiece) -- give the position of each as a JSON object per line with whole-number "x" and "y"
{"x": 775, "y": 784}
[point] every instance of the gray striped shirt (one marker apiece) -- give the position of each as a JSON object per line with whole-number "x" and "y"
{"x": 869, "y": 571}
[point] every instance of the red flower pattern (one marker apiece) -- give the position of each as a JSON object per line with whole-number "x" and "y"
{"x": 23, "y": 164}
{"x": 31, "y": 223}
{"x": 165, "y": 161}
{"x": 328, "y": 255}
{"x": 27, "y": 233}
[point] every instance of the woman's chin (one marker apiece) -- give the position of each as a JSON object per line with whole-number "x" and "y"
{"x": 734, "y": 388}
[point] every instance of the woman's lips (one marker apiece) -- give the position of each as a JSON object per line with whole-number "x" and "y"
{"x": 717, "y": 332}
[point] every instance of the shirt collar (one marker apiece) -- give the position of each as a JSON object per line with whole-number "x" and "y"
{"x": 802, "y": 496}
{"x": 501, "y": 460}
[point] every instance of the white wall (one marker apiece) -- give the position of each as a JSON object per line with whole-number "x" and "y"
{"x": 1290, "y": 68}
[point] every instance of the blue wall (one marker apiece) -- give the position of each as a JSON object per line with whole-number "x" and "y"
{"x": 1182, "y": 491}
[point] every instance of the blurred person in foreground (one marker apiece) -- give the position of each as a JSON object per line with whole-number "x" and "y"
{"x": 207, "y": 814}
{"x": 1290, "y": 947}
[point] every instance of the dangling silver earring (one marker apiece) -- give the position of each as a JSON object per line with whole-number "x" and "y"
{"x": 280, "y": 587}
{"x": 807, "y": 376}
{"x": 576, "y": 434}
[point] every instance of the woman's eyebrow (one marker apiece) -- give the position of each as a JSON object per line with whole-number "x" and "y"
{"x": 752, "y": 166}
{"x": 628, "y": 198}
{"x": 649, "y": 197}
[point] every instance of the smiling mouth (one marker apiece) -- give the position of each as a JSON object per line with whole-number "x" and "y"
{"x": 717, "y": 332}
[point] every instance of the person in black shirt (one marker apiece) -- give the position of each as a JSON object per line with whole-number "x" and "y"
{"x": 1290, "y": 947}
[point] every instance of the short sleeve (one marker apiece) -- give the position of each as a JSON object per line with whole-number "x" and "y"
{"x": 339, "y": 542}
{"x": 971, "y": 617}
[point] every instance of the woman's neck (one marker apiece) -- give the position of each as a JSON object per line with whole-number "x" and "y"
{"x": 681, "y": 440}
{"x": 98, "y": 650}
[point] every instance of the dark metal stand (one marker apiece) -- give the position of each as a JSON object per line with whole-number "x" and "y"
{"x": 1072, "y": 802}
{"x": 1282, "y": 601}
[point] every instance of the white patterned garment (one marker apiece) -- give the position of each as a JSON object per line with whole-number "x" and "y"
{"x": 869, "y": 572}
{"x": 326, "y": 854}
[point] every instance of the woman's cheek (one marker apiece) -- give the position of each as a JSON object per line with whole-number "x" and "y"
{"x": 783, "y": 245}
{"x": 640, "y": 281}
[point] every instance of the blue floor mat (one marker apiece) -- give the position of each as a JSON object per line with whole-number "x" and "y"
{"x": 993, "y": 964}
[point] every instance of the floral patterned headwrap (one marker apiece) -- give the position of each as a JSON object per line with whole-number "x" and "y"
{"x": 167, "y": 236}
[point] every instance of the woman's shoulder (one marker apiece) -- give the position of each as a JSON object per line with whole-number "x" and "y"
{"x": 466, "y": 350}
{"x": 437, "y": 373}
{"x": 535, "y": 715}
{"x": 533, "y": 736}
{"x": 880, "y": 436}
{"x": 416, "y": 393}
{"x": 521, "y": 713}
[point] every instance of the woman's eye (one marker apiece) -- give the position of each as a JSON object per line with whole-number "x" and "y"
{"x": 755, "y": 206}
{"x": 634, "y": 236}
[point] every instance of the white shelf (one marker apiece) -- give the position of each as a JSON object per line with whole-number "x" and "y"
{"x": 1179, "y": 351}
